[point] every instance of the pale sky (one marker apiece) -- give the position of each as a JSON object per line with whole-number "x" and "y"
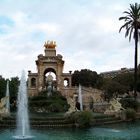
{"x": 86, "y": 33}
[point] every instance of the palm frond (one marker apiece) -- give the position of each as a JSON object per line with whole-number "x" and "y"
{"x": 126, "y": 12}
{"x": 127, "y": 32}
{"x": 131, "y": 20}
{"x": 121, "y": 18}
{"x": 131, "y": 31}
{"x": 125, "y": 25}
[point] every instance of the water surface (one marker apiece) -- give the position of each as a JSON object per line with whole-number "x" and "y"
{"x": 123, "y": 131}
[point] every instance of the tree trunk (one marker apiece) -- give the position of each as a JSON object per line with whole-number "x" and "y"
{"x": 135, "y": 61}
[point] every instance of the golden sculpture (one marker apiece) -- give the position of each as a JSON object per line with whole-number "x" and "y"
{"x": 50, "y": 44}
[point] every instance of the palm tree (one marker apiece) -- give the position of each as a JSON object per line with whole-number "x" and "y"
{"x": 132, "y": 26}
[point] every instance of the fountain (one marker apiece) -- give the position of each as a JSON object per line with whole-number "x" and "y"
{"x": 80, "y": 98}
{"x": 49, "y": 89}
{"x": 49, "y": 86}
{"x": 119, "y": 131}
{"x": 22, "y": 131}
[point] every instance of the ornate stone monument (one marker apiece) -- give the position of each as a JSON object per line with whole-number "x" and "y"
{"x": 50, "y": 62}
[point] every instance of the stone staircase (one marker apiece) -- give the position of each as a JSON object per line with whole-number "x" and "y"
{"x": 50, "y": 122}
{"x": 43, "y": 122}
{"x": 106, "y": 120}
{"x": 38, "y": 122}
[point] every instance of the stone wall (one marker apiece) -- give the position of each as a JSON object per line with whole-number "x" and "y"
{"x": 91, "y": 97}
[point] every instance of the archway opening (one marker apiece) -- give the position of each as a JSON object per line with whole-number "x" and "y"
{"x": 50, "y": 78}
{"x": 33, "y": 82}
{"x": 66, "y": 82}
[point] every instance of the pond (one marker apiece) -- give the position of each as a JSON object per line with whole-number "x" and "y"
{"x": 122, "y": 131}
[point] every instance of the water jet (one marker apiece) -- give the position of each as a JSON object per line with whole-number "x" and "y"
{"x": 23, "y": 129}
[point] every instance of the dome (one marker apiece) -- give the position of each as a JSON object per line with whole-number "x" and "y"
{"x": 59, "y": 56}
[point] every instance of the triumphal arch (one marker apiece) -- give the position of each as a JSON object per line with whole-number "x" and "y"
{"x": 49, "y": 70}
{"x": 50, "y": 77}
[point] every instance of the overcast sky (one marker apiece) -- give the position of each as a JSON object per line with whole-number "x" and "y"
{"x": 86, "y": 33}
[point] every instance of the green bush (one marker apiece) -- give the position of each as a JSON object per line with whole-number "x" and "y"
{"x": 81, "y": 118}
{"x": 55, "y": 107}
{"x": 54, "y": 103}
{"x": 129, "y": 102}
{"x": 130, "y": 114}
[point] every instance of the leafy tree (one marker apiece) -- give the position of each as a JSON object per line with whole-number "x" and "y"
{"x": 75, "y": 78}
{"x": 86, "y": 78}
{"x": 2, "y": 87}
{"x": 99, "y": 82}
{"x": 125, "y": 79}
{"x": 132, "y": 26}
{"x": 13, "y": 87}
{"x": 113, "y": 88}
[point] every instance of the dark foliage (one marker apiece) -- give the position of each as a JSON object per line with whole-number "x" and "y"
{"x": 129, "y": 102}
{"x": 81, "y": 119}
{"x": 86, "y": 78}
{"x": 54, "y": 103}
{"x": 2, "y": 87}
{"x": 13, "y": 87}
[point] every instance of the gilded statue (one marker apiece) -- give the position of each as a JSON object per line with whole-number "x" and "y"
{"x": 50, "y": 44}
